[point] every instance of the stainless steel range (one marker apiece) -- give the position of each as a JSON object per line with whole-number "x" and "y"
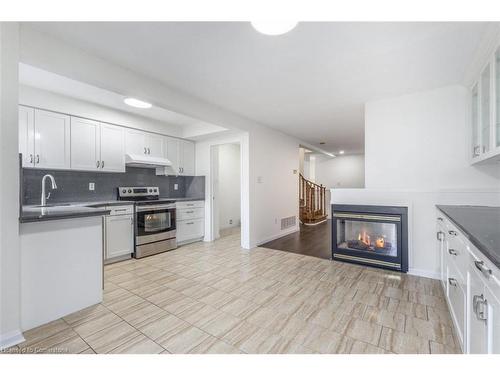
{"x": 155, "y": 230}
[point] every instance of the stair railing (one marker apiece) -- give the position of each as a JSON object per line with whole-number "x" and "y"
{"x": 311, "y": 200}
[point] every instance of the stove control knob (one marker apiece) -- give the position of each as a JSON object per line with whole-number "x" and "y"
{"x": 124, "y": 191}
{"x": 156, "y": 190}
{"x": 130, "y": 190}
{"x": 150, "y": 190}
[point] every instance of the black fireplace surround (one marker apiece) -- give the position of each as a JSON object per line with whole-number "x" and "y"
{"x": 374, "y": 236}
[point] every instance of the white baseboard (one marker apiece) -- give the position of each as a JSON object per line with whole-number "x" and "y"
{"x": 424, "y": 273}
{"x": 10, "y": 339}
{"x": 276, "y": 236}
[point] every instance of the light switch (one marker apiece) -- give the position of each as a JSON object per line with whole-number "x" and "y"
{"x": 91, "y": 186}
{"x": 176, "y": 186}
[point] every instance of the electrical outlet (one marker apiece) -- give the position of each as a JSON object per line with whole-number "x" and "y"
{"x": 91, "y": 186}
{"x": 176, "y": 186}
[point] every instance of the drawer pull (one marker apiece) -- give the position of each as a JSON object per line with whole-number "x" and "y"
{"x": 452, "y": 233}
{"x": 452, "y": 282}
{"x": 440, "y": 236}
{"x": 452, "y": 252}
{"x": 481, "y": 267}
{"x": 190, "y": 212}
{"x": 440, "y": 218}
{"x": 479, "y": 306}
{"x": 190, "y": 223}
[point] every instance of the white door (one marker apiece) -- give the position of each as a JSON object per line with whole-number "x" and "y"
{"x": 477, "y": 327}
{"x": 155, "y": 145}
{"x": 52, "y": 140}
{"x": 187, "y": 158}
{"x": 135, "y": 142}
{"x": 85, "y": 144}
{"x": 493, "y": 306}
{"x": 173, "y": 155}
{"x": 27, "y": 135}
{"x": 119, "y": 235}
{"x": 112, "y": 148}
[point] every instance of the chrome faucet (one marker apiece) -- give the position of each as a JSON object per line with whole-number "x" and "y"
{"x": 54, "y": 186}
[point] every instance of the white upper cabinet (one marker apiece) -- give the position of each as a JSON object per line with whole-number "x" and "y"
{"x": 96, "y": 146}
{"x": 139, "y": 142}
{"x": 27, "y": 135}
{"x": 52, "y": 140}
{"x": 85, "y": 144}
{"x": 485, "y": 113}
{"x": 135, "y": 142}
{"x": 181, "y": 154}
{"x": 172, "y": 146}
{"x": 112, "y": 148}
{"x": 187, "y": 158}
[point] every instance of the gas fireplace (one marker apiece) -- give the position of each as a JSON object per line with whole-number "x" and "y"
{"x": 371, "y": 235}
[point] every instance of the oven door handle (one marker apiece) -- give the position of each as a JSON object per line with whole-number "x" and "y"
{"x": 155, "y": 208}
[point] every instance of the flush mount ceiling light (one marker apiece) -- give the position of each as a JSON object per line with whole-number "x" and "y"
{"x": 137, "y": 103}
{"x": 274, "y": 27}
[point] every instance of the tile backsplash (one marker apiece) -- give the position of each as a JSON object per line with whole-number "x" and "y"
{"x": 73, "y": 186}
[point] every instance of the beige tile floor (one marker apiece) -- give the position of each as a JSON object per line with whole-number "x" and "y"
{"x": 219, "y": 298}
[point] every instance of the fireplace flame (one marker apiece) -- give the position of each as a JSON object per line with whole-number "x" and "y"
{"x": 365, "y": 238}
{"x": 380, "y": 242}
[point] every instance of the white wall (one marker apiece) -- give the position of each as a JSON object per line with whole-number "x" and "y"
{"x": 10, "y": 332}
{"x": 420, "y": 141}
{"x": 425, "y": 163}
{"x": 35, "y": 97}
{"x": 229, "y": 185}
{"x": 345, "y": 171}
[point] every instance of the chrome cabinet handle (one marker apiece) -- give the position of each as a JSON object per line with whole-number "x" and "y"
{"x": 189, "y": 223}
{"x": 481, "y": 267}
{"x": 145, "y": 150}
{"x": 149, "y": 151}
{"x": 452, "y": 282}
{"x": 476, "y": 150}
{"x": 452, "y": 252}
{"x": 37, "y": 159}
{"x": 97, "y": 164}
{"x": 440, "y": 218}
{"x": 479, "y": 306}
{"x": 189, "y": 212}
{"x": 452, "y": 233}
{"x": 31, "y": 158}
{"x": 440, "y": 236}
{"x": 102, "y": 164}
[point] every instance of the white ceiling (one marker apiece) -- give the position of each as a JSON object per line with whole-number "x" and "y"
{"x": 311, "y": 83}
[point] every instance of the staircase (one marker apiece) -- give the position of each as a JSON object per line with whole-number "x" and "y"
{"x": 311, "y": 202}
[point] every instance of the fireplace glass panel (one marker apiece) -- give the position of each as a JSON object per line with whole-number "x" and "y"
{"x": 366, "y": 236}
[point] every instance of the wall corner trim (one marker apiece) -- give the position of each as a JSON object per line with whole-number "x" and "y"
{"x": 10, "y": 339}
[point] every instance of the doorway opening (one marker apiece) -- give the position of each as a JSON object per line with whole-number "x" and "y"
{"x": 226, "y": 190}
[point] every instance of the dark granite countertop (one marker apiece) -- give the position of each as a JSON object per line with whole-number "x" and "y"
{"x": 30, "y": 214}
{"x": 480, "y": 224}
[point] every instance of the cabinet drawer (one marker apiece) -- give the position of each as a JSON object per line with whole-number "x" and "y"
{"x": 190, "y": 213}
{"x": 457, "y": 300}
{"x": 189, "y": 204}
{"x": 121, "y": 210}
{"x": 190, "y": 229}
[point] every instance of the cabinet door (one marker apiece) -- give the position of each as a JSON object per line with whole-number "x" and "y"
{"x": 475, "y": 144}
{"x": 187, "y": 158}
{"x": 119, "y": 236}
{"x": 173, "y": 155}
{"x": 493, "y": 305}
{"x": 52, "y": 140}
{"x": 135, "y": 142}
{"x": 190, "y": 229}
{"x": 155, "y": 145}
{"x": 497, "y": 99}
{"x": 27, "y": 135}
{"x": 477, "y": 327}
{"x": 112, "y": 148}
{"x": 85, "y": 143}
{"x": 485, "y": 110}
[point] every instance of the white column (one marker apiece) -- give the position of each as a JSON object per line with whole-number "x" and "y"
{"x": 10, "y": 333}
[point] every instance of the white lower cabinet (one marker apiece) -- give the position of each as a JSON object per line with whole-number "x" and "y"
{"x": 472, "y": 290}
{"x": 118, "y": 233}
{"x": 190, "y": 221}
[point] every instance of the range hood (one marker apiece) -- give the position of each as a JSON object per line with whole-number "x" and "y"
{"x": 145, "y": 161}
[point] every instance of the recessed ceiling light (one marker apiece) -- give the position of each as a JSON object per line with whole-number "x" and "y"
{"x": 274, "y": 27}
{"x": 321, "y": 143}
{"x": 137, "y": 103}
{"x": 341, "y": 152}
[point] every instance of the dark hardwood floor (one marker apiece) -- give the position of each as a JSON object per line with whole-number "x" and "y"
{"x": 313, "y": 240}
